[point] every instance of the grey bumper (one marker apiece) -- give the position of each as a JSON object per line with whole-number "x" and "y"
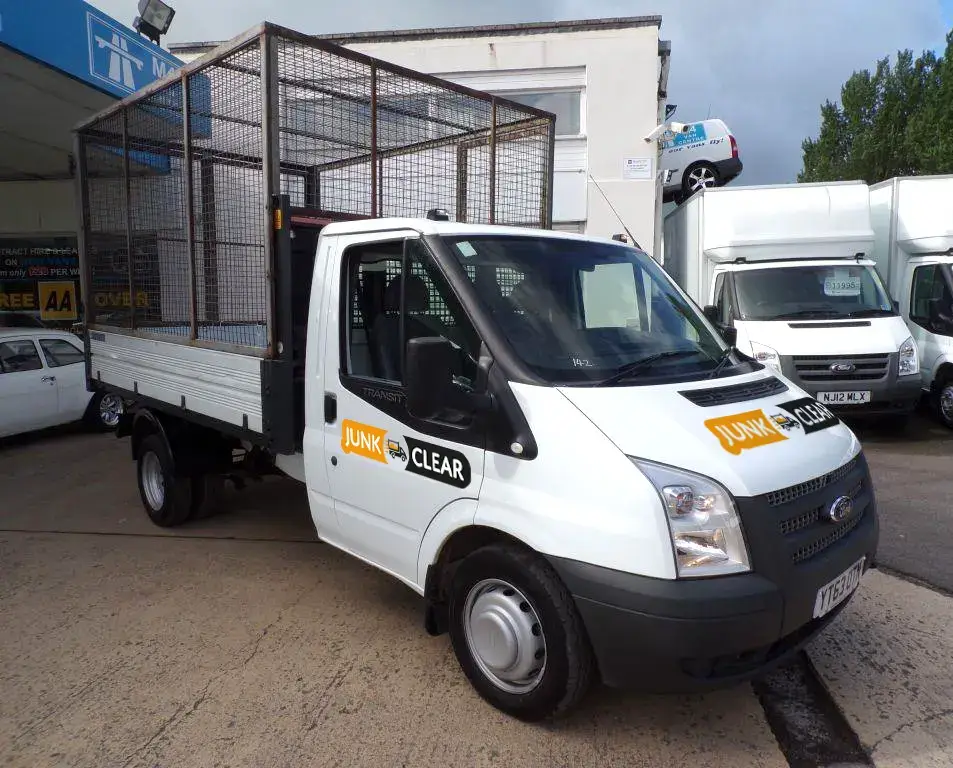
{"x": 889, "y": 393}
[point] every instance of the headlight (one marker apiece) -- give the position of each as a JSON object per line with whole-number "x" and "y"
{"x": 909, "y": 362}
{"x": 764, "y": 354}
{"x": 702, "y": 520}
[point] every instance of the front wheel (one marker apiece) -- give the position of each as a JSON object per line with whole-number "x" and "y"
{"x": 517, "y": 635}
{"x": 943, "y": 402}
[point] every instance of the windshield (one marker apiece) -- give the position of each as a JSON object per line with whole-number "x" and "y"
{"x": 587, "y": 312}
{"x": 818, "y": 291}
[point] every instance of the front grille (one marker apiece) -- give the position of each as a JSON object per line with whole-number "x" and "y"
{"x": 807, "y": 519}
{"x": 736, "y": 393}
{"x": 792, "y": 492}
{"x": 816, "y": 547}
{"x": 818, "y": 367}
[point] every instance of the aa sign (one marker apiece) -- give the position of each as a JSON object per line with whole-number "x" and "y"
{"x": 58, "y": 301}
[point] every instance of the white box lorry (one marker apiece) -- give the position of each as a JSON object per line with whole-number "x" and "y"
{"x": 537, "y": 432}
{"x": 789, "y": 268}
{"x": 914, "y": 252}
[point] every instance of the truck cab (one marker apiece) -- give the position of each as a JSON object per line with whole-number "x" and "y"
{"x": 789, "y": 269}
{"x": 914, "y": 251}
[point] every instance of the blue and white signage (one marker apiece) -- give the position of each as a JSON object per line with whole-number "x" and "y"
{"x": 122, "y": 60}
{"x": 84, "y": 43}
{"x": 694, "y": 134}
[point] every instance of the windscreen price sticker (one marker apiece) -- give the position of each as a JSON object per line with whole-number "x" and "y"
{"x": 842, "y": 286}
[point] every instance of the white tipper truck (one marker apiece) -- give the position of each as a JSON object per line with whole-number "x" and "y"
{"x": 789, "y": 268}
{"x": 914, "y": 252}
{"x": 537, "y": 432}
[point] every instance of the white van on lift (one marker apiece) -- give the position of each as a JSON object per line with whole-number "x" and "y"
{"x": 537, "y": 432}
{"x": 914, "y": 253}
{"x": 789, "y": 268}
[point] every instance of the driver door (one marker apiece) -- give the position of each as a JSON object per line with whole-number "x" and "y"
{"x": 929, "y": 291}
{"x": 391, "y": 473}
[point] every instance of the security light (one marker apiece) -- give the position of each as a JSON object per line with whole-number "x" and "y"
{"x": 154, "y": 19}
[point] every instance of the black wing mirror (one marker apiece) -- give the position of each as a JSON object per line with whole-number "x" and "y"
{"x": 712, "y": 313}
{"x": 431, "y": 362}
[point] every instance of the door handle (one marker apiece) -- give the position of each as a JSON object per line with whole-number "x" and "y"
{"x": 49, "y": 379}
{"x": 330, "y": 407}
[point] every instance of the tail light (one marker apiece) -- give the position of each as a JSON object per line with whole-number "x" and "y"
{"x": 734, "y": 145}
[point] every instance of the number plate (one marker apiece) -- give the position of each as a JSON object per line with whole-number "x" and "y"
{"x": 843, "y": 398}
{"x": 835, "y": 592}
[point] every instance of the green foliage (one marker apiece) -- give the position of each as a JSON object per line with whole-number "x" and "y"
{"x": 894, "y": 121}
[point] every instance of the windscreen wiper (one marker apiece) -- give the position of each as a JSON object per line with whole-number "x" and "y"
{"x": 806, "y": 313}
{"x": 644, "y": 364}
{"x": 722, "y": 362}
{"x": 878, "y": 312}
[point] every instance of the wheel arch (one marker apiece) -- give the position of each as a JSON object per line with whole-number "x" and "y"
{"x": 440, "y": 566}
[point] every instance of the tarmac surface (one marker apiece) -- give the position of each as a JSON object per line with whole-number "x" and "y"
{"x": 242, "y": 641}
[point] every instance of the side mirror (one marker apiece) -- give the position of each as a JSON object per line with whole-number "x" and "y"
{"x": 428, "y": 375}
{"x": 712, "y": 313}
{"x": 431, "y": 362}
{"x": 730, "y": 334}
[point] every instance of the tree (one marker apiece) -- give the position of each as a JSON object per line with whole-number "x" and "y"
{"x": 894, "y": 121}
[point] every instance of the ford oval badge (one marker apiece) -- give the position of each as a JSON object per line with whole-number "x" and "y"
{"x": 843, "y": 367}
{"x": 840, "y": 510}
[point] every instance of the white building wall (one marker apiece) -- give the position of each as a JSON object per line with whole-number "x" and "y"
{"x": 617, "y": 71}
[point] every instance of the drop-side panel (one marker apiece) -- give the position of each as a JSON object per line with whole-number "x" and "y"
{"x": 221, "y": 385}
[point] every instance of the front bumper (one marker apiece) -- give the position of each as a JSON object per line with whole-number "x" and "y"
{"x": 662, "y": 635}
{"x": 890, "y": 395}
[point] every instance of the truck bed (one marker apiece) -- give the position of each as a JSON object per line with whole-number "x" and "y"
{"x": 224, "y": 386}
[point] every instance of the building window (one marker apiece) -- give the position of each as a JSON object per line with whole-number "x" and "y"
{"x": 566, "y": 105}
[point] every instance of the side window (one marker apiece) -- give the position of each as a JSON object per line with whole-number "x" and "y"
{"x": 925, "y": 286}
{"x": 390, "y": 302}
{"x": 19, "y": 356}
{"x": 58, "y": 352}
{"x": 719, "y": 299}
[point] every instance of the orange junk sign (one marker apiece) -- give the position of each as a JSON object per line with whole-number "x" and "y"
{"x": 742, "y": 431}
{"x": 363, "y": 440}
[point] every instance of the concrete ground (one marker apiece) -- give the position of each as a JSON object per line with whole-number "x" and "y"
{"x": 242, "y": 641}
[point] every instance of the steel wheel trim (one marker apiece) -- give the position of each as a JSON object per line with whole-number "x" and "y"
{"x": 946, "y": 403}
{"x": 701, "y": 177}
{"x": 110, "y": 409}
{"x": 504, "y": 636}
{"x": 153, "y": 481}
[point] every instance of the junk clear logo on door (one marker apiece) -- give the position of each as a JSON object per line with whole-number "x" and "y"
{"x": 436, "y": 462}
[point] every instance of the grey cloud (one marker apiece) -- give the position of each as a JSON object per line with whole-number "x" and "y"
{"x": 763, "y": 67}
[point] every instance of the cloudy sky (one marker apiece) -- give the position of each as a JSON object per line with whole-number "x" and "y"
{"x": 763, "y": 67}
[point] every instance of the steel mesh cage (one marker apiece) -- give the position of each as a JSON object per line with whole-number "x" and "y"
{"x": 177, "y": 181}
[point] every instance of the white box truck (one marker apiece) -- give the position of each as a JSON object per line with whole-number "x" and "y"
{"x": 534, "y": 431}
{"x": 914, "y": 252}
{"x": 788, "y": 267}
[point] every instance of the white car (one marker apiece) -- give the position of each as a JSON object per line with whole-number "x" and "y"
{"x": 706, "y": 155}
{"x": 43, "y": 383}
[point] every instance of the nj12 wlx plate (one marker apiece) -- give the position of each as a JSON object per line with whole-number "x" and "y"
{"x": 835, "y": 592}
{"x": 844, "y": 398}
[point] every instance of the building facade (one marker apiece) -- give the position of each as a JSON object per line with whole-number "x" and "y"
{"x": 604, "y": 79}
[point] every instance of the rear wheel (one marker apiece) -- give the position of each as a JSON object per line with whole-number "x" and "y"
{"x": 166, "y": 496}
{"x": 697, "y": 177}
{"x": 104, "y": 411}
{"x": 517, "y": 635}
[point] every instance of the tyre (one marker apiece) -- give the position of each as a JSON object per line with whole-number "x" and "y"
{"x": 517, "y": 635}
{"x": 166, "y": 496}
{"x": 698, "y": 176}
{"x": 943, "y": 402}
{"x": 104, "y": 411}
{"x": 207, "y": 496}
